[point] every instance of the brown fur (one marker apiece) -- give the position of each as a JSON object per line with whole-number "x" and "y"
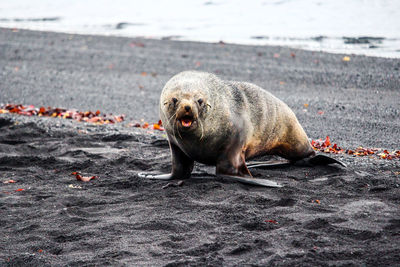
{"x": 230, "y": 123}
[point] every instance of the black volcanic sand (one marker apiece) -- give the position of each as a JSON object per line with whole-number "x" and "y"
{"x": 119, "y": 219}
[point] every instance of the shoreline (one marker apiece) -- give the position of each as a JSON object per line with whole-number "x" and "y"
{"x": 276, "y": 42}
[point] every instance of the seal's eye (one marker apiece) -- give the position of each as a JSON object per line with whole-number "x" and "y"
{"x": 200, "y": 101}
{"x": 174, "y": 100}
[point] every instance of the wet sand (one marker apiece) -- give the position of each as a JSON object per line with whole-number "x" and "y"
{"x": 119, "y": 219}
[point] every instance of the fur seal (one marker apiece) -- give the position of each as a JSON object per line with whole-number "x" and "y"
{"x": 225, "y": 123}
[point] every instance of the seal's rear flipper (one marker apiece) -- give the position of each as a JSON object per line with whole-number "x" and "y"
{"x": 251, "y": 181}
{"x": 268, "y": 164}
{"x": 165, "y": 177}
{"x": 319, "y": 160}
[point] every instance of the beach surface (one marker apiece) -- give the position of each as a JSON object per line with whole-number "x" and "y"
{"x": 323, "y": 215}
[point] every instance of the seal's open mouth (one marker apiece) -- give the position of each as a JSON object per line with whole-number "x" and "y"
{"x": 186, "y": 121}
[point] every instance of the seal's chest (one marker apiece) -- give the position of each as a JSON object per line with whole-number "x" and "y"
{"x": 200, "y": 151}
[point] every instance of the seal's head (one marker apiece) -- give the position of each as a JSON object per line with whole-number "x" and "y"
{"x": 185, "y": 103}
{"x": 184, "y": 111}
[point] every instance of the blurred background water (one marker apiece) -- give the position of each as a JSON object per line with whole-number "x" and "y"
{"x": 368, "y": 27}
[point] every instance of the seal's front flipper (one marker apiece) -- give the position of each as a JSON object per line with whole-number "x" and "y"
{"x": 268, "y": 164}
{"x": 251, "y": 181}
{"x": 182, "y": 167}
{"x": 165, "y": 177}
{"x": 319, "y": 160}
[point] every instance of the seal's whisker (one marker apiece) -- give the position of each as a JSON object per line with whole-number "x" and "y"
{"x": 202, "y": 129}
{"x": 169, "y": 121}
{"x": 173, "y": 126}
{"x": 165, "y": 115}
{"x": 179, "y": 133}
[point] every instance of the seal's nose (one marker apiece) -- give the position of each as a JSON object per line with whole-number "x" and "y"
{"x": 187, "y": 108}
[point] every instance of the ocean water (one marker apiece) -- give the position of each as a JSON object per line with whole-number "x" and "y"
{"x": 367, "y": 27}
